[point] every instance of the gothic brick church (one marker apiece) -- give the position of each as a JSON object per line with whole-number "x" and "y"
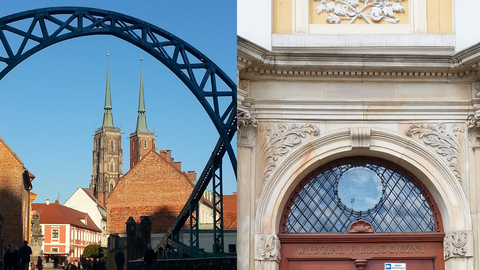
{"x": 155, "y": 186}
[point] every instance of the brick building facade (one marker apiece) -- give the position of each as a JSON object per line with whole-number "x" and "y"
{"x": 14, "y": 196}
{"x": 135, "y": 197}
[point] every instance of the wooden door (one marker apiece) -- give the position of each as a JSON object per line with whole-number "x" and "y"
{"x": 410, "y": 264}
{"x": 321, "y": 264}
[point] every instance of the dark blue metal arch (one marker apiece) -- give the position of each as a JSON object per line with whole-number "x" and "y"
{"x": 192, "y": 67}
{"x": 183, "y": 59}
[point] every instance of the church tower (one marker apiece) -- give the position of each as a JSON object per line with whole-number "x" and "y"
{"x": 107, "y": 152}
{"x": 141, "y": 141}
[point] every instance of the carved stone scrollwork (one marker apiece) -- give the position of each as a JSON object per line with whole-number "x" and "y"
{"x": 278, "y": 139}
{"x": 245, "y": 118}
{"x": 352, "y": 10}
{"x": 457, "y": 244}
{"x": 267, "y": 247}
{"x": 360, "y": 137}
{"x": 473, "y": 119}
{"x": 445, "y": 138}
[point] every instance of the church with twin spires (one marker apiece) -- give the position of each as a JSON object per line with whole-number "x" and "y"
{"x": 107, "y": 153}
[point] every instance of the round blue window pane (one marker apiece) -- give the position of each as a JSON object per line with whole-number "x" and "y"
{"x": 360, "y": 189}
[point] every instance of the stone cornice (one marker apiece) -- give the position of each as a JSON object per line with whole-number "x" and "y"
{"x": 263, "y": 64}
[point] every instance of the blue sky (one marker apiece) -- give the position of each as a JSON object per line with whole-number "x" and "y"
{"x": 52, "y": 102}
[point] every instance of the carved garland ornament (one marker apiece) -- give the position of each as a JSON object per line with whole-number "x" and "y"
{"x": 455, "y": 244}
{"x": 351, "y": 10}
{"x": 268, "y": 248}
{"x": 278, "y": 139}
{"x": 445, "y": 139}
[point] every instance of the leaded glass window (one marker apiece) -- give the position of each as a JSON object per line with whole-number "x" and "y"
{"x": 360, "y": 188}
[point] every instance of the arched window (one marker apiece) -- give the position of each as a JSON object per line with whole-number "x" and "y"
{"x": 111, "y": 166}
{"x": 111, "y": 187}
{"x": 111, "y": 146}
{"x": 342, "y": 192}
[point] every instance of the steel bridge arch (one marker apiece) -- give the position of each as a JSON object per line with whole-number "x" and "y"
{"x": 193, "y": 68}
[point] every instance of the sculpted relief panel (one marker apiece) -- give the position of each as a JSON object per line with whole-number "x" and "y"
{"x": 277, "y": 141}
{"x": 268, "y": 247}
{"x": 446, "y": 139}
{"x": 370, "y": 11}
{"x": 458, "y": 244}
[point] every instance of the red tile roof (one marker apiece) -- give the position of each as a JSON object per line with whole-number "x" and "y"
{"x": 230, "y": 211}
{"x": 55, "y": 213}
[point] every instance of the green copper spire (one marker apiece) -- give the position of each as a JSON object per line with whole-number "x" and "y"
{"x": 107, "y": 110}
{"x": 141, "y": 117}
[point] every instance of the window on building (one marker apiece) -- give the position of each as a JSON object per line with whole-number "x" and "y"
{"x": 111, "y": 146}
{"x": 55, "y": 234}
{"x": 111, "y": 187}
{"x": 111, "y": 166}
{"x": 232, "y": 248}
{"x": 391, "y": 199}
{"x": 54, "y": 249}
{"x": 144, "y": 144}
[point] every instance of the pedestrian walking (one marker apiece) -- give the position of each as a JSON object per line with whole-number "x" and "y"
{"x": 10, "y": 258}
{"x": 24, "y": 254}
{"x": 39, "y": 263}
{"x": 149, "y": 258}
{"x": 119, "y": 259}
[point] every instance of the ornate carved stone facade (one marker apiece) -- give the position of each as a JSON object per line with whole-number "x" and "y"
{"x": 378, "y": 83}
{"x": 353, "y": 10}
{"x": 458, "y": 244}
{"x": 268, "y": 247}
{"x": 278, "y": 139}
{"x": 445, "y": 138}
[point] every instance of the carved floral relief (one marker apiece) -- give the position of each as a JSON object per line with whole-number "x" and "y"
{"x": 455, "y": 244}
{"x": 278, "y": 139}
{"x": 268, "y": 247}
{"x": 366, "y": 10}
{"x": 446, "y": 139}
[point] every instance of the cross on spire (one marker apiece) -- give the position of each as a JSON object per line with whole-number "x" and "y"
{"x": 141, "y": 117}
{"x": 107, "y": 110}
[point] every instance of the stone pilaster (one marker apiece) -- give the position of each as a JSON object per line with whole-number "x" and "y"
{"x": 247, "y": 131}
